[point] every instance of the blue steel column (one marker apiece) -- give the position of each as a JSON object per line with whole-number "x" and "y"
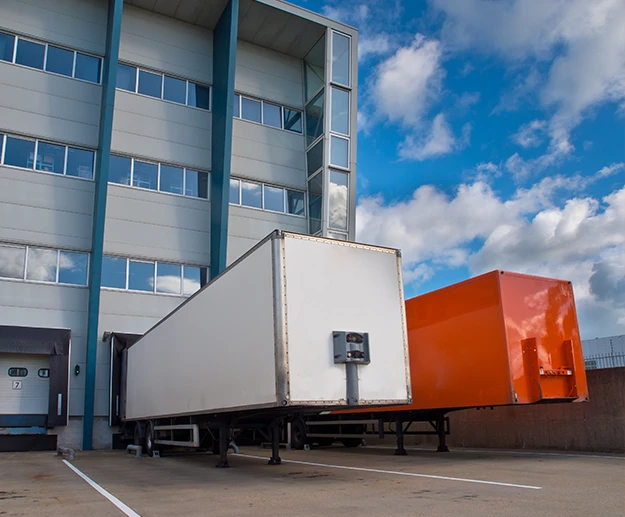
{"x": 224, "y": 60}
{"x": 109, "y": 79}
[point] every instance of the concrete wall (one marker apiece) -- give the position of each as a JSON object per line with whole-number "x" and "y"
{"x": 597, "y": 425}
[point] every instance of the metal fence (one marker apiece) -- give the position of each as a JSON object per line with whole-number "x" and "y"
{"x": 598, "y": 361}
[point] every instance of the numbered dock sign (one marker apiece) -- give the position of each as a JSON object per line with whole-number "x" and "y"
{"x": 17, "y": 385}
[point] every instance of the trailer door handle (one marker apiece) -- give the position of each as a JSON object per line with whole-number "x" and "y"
{"x": 59, "y": 404}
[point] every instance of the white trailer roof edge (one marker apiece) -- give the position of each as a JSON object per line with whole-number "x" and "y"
{"x": 276, "y": 234}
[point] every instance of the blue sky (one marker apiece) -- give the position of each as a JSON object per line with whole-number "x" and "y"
{"x": 491, "y": 136}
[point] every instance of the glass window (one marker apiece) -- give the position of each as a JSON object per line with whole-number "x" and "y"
{"x": 141, "y": 276}
{"x": 175, "y": 90}
{"x": 73, "y": 268}
{"x": 338, "y": 200}
{"x": 150, "y": 84}
{"x": 236, "y": 107}
{"x": 126, "y": 77}
{"x": 272, "y": 115}
{"x": 235, "y": 191}
{"x": 30, "y": 53}
{"x": 80, "y": 163}
{"x": 314, "y": 158}
{"x": 199, "y": 96}
{"x": 18, "y": 372}
{"x": 194, "y": 278}
{"x": 273, "y": 198}
{"x": 60, "y": 61}
{"x": 6, "y": 47}
{"x": 340, "y": 111}
{"x": 145, "y": 175}
{"x": 41, "y": 265}
{"x": 50, "y": 157}
{"x": 196, "y": 184}
{"x": 250, "y": 109}
{"x": 314, "y": 68}
{"x": 292, "y": 120}
{"x": 295, "y": 202}
{"x": 251, "y": 195}
{"x": 314, "y": 118}
{"x": 171, "y": 179}
{"x": 315, "y": 203}
{"x": 19, "y": 152}
{"x": 168, "y": 278}
{"x": 119, "y": 170}
{"x": 12, "y": 262}
{"x": 340, "y": 59}
{"x": 114, "y": 272}
{"x": 44, "y": 373}
{"x": 339, "y": 151}
{"x": 87, "y": 68}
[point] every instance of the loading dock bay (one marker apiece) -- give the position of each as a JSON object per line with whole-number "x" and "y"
{"x": 330, "y": 481}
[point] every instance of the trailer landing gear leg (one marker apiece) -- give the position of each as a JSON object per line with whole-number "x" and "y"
{"x": 224, "y": 439}
{"x": 276, "y": 429}
{"x": 400, "y": 451}
{"x": 440, "y": 427}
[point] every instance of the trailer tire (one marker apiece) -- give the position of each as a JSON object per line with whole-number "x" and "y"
{"x": 149, "y": 439}
{"x": 351, "y": 442}
{"x": 137, "y": 435}
{"x": 298, "y": 434}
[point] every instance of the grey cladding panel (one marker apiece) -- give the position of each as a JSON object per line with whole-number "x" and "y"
{"x": 45, "y": 209}
{"x": 79, "y": 24}
{"x": 161, "y": 131}
{"x": 49, "y": 106}
{"x": 167, "y": 45}
{"x": 268, "y": 154}
{"x": 157, "y": 226}
{"x": 268, "y": 74}
{"x": 246, "y": 227}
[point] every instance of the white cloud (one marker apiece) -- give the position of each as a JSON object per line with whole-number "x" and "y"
{"x": 408, "y": 82}
{"x": 581, "y": 41}
{"x": 375, "y": 45}
{"x": 530, "y": 134}
{"x": 581, "y": 240}
{"x": 440, "y": 140}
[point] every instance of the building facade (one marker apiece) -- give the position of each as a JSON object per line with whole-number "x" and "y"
{"x": 144, "y": 146}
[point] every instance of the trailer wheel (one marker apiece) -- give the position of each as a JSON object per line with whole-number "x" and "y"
{"x": 149, "y": 439}
{"x": 298, "y": 434}
{"x": 351, "y": 442}
{"x": 137, "y": 435}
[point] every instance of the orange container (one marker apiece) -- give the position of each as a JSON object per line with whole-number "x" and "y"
{"x": 496, "y": 339}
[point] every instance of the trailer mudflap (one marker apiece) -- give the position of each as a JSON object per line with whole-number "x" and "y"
{"x": 550, "y": 382}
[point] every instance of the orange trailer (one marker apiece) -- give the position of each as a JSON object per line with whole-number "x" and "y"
{"x": 497, "y": 339}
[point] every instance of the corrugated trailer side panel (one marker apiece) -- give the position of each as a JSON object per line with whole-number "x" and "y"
{"x": 335, "y": 286}
{"x": 458, "y": 355}
{"x": 542, "y": 332}
{"x": 175, "y": 370}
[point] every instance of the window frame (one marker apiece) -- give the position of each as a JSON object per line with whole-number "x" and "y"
{"x": 334, "y": 165}
{"x": 349, "y": 66}
{"x": 24, "y": 277}
{"x": 154, "y": 264}
{"x": 46, "y": 46}
{"x": 36, "y": 149}
{"x": 262, "y": 190}
{"x": 262, "y": 102}
{"x": 139, "y": 68}
{"x": 158, "y": 177}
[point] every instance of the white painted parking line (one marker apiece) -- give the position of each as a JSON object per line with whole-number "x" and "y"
{"x": 122, "y": 507}
{"x": 514, "y": 453}
{"x": 399, "y": 473}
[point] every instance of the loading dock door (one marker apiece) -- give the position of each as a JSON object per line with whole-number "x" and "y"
{"x": 24, "y": 384}
{"x": 42, "y": 348}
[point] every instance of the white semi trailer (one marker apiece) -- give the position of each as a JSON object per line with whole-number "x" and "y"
{"x": 297, "y": 326}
